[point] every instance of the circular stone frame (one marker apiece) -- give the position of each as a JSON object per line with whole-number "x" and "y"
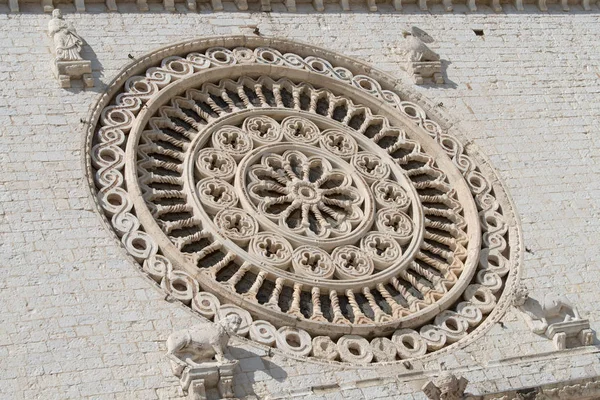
{"x": 488, "y": 285}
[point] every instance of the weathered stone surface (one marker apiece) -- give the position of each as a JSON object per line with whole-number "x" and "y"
{"x": 77, "y": 318}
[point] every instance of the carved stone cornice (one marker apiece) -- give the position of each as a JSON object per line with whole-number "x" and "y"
{"x": 581, "y": 389}
{"x": 290, "y": 5}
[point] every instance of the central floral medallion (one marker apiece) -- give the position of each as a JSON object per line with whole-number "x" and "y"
{"x": 305, "y": 194}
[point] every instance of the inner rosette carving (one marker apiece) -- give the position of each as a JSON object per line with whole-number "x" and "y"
{"x": 395, "y": 223}
{"x": 237, "y": 225}
{"x": 305, "y": 194}
{"x": 233, "y": 141}
{"x": 390, "y": 194}
{"x": 212, "y": 163}
{"x": 300, "y": 130}
{"x": 322, "y": 208}
{"x": 216, "y": 194}
{"x": 351, "y": 263}
{"x": 383, "y": 249}
{"x": 339, "y": 143}
{"x": 263, "y": 129}
{"x": 313, "y": 262}
{"x": 272, "y": 249}
{"x": 370, "y": 166}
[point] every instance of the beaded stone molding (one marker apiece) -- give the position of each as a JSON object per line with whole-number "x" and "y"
{"x": 305, "y": 193}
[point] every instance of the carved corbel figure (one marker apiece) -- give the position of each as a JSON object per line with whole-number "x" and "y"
{"x": 198, "y": 357}
{"x": 446, "y": 387}
{"x": 68, "y": 63}
{"x": 520, "y": 296}
{"x": 556, "y": 318}
{"x": 420, "y": 60}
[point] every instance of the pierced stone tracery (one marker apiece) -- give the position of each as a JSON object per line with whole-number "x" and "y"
{"x": 304, "y": 206}
{"x": 304, "y": 194}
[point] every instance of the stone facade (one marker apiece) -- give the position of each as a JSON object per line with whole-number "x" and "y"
{"x": 79, "y": 318}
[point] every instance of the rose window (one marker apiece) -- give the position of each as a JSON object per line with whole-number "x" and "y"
{"x": 325, "y": 209}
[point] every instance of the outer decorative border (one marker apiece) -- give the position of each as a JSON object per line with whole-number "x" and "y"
{"x": 388, "y": 87}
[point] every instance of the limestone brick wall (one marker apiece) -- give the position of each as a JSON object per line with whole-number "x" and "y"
{"x": 78, "y": 319}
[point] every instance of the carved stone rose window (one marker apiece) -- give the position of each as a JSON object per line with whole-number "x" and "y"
{"x": 306, "y": 194}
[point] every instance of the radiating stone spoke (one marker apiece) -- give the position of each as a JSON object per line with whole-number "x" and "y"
{"x": 337, "y": 215}
{"x": 269, "y": 186}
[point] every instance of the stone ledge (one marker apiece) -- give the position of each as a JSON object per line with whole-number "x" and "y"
{"x": 582, "y": 389}
{"x": 77, "y": 69}
{"x": 319, "y": 6}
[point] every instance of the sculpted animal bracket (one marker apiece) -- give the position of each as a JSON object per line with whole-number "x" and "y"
{"x": 422, "y": 62}
{"x": 198, "y": 357}
{"x": 68, "y": 63}
{"x": 556, "y": 318}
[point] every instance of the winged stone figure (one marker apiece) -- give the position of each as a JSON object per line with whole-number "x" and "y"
{"x": 420, "y": 60}
{"x": 414, "y": 46}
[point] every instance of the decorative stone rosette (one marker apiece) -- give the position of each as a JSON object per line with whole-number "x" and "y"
{"x": 332, "y": 215}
